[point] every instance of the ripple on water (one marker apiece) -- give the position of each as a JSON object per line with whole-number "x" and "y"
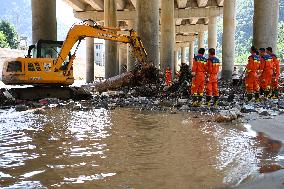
{"x": 123, "y": 149}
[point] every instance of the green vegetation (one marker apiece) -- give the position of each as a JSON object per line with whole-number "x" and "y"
{"x": 244, "y": 30}
{"x": 9, "y": 35}
{"x": 280, "y": 41}
{"x": 3, "y": 40}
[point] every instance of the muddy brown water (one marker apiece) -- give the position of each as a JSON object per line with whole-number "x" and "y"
{"x": 125, "y": 149}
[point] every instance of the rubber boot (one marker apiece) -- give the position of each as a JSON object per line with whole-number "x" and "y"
{"x": 200, "y": 97}
{"x": 266, "y": 93}
{"x": 216, "y": 100}
{"x": 194, "y": 100}
{"x": 256, "y": 96}
{"x": 249, "y": 97}
{"x": 261, "y": 91}
{"x": 275, "y": 94}
{"x": 208, "y": 100}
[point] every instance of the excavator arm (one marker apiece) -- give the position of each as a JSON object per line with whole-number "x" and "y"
{"x": 81, "y": 31}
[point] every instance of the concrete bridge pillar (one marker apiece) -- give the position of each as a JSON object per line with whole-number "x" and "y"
{"x": 90, "y": 58}
{"x": 228, "y": 44}
{"x": 111, "y": 52}
{"x": 148, "y": 28}
{"x": 266, "y": 15}
{"x": 167, "y": 34}
{"x": 122, "y": 58}
{"x": 200, "y": 40}
{"x": 191, "y": 53}
{"x": 212, "y": 33}
{"x": 44, "y": 24}
{"x": 183, "y": 54}
{"x": 130, "y": 57}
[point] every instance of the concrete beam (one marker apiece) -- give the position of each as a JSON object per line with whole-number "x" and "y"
{"x": 220, "y": 3}
{"x": 97, "y": 5}
{"x": 129, "y": 15}
{"x": 76, "y": 5}
{"x": 198, "y": 12}
{"x": 181, "y": 3}
{"x": 191, "y": 28}
{"x": 134, "y": 2}
{"x": 185, "y": 38}
{"x": 193, "y": 20}
{"x": 182, "y": 45}
{"x": 206, "y": 21}
{"x": 120, "y": 4}
{"x": 178, "y": 21}
{"x": 202, "y": 3}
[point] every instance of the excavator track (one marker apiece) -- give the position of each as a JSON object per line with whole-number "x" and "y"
{"x": 38, "y": 92}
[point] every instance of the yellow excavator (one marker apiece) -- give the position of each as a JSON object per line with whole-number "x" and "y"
{"x": 50, "y": 62}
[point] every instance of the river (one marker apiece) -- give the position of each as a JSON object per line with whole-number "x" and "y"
{"x": 125, "y": 149}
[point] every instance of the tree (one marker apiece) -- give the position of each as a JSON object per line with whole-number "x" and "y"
{"x": 10, "y": 33}
{"x": 280, "y": 40}
{"x": 3, "y": 40}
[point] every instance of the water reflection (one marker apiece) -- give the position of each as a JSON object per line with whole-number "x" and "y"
{"x": 124, "y": 149}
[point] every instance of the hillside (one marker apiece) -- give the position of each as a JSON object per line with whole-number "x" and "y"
{"x": 18, "y": 12}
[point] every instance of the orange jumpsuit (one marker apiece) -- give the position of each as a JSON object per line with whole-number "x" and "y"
{"x": 168, "y": 76}
{"x": 198, "y": 81}
{"x": 212, "y": 67}
{"x": 276, "y": 72}
{"x": 266, "y": 69}
{"x": 252, "y": 67}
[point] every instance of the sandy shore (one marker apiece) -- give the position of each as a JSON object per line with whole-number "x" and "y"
{"x": 273, "y": 128}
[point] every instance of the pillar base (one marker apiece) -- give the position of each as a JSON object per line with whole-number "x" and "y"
{"x": 227, "y": 74}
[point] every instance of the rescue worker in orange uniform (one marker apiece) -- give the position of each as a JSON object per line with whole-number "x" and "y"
{"x": 275, "y": 74}
{"x": 168, "y": 76}
{"x": 198, "y": 80}
{"x": 212, "y": 68}
{"x": 252, "y": 85}
{"x": 266, "y": 70}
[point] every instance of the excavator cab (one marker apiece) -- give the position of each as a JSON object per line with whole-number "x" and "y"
{"x": 38, "y": 66}
{"x": 45, "y": 49}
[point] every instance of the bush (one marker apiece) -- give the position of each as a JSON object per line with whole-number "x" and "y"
{"x": 9, "y": 31}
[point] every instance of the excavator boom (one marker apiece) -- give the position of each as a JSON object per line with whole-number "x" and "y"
{"x": 57, "y": 69}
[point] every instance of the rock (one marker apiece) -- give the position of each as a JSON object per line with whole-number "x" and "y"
{"x": 104, "y": 94}
{"x": 166, "y": 103}
{"x": 281, "y": 105}
{"x": 182, "y": 101}
{"x": 185, "y": 108}
{"x": 39, "y": 111}
{"x": 77, "y": 107}
{"x": 156, "y": 102}
{"x": 8, "y": 95}
{"x": 52, "y": 105}
{"x": 21, "y": 108}
{"x": 112, "y": 105}
{"x": 228, "y": 116}
{"x": 264, "y": 113}
{"x": 37, "y": 105}
{"x": 248, "y": 109}
{"x": 281, "y": 111}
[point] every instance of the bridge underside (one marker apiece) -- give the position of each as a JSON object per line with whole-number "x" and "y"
{"x": 167, "y": 27}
